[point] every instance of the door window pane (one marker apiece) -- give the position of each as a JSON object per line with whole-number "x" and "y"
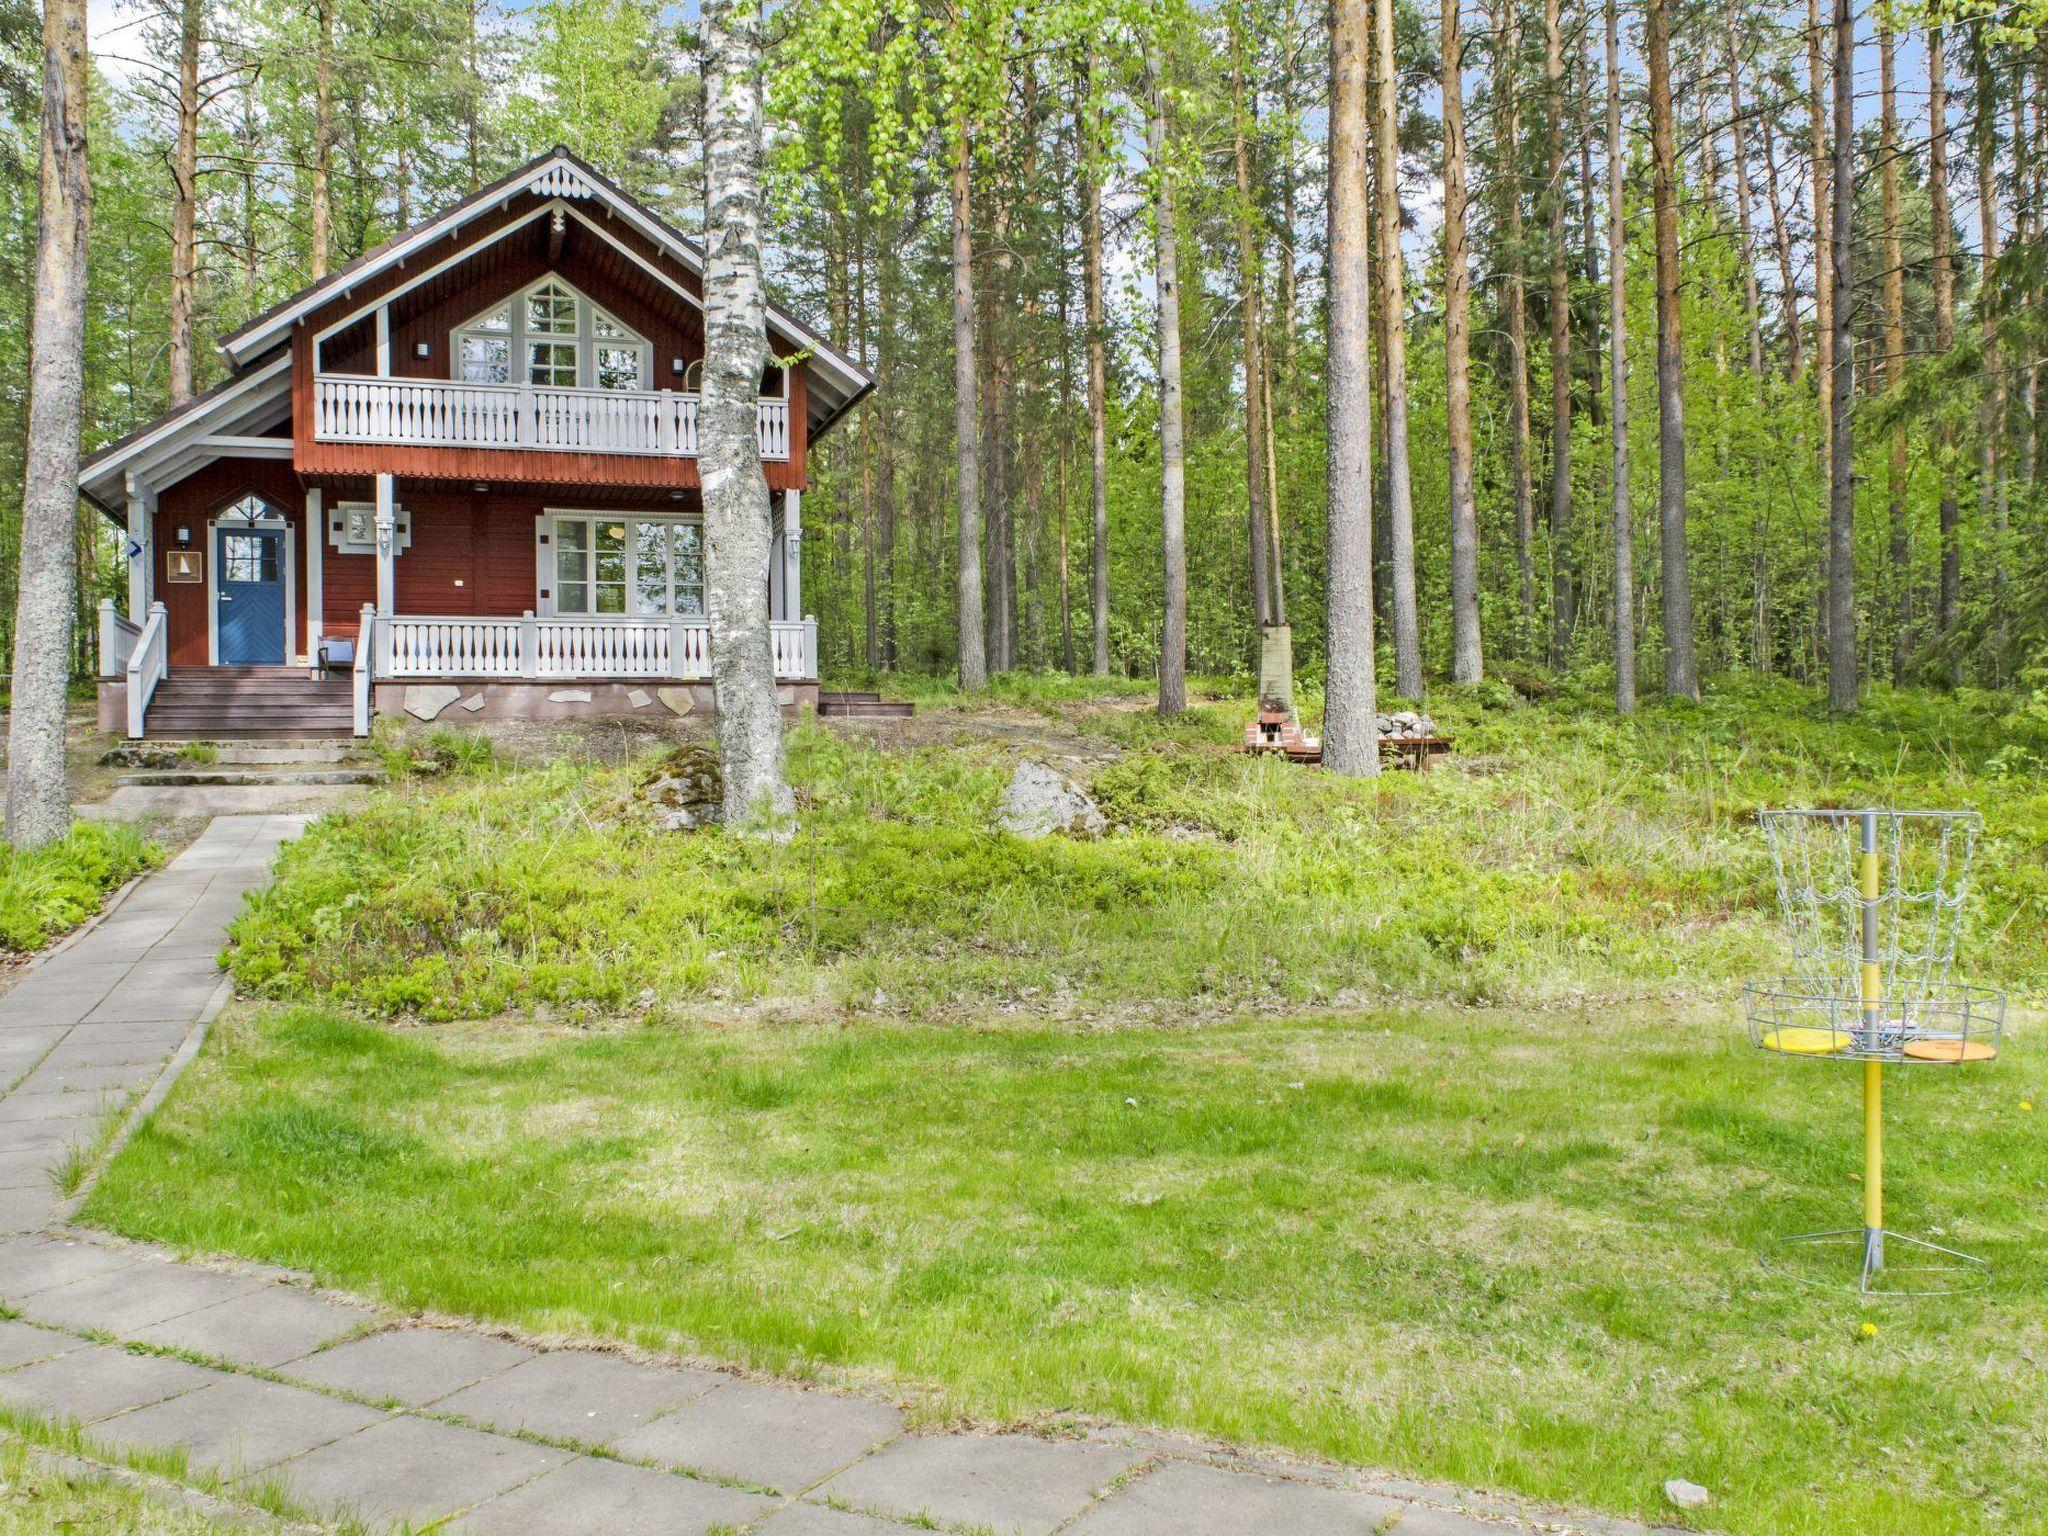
{"x": 689, "y": 580}
{"x": 650, "y": 568}
{"x": 572, "y": 567}
{"x": 608, "y": 567}
{"x": 248, "y": 557}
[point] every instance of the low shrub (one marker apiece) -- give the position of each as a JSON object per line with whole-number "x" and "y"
{"x": 48, "y": 891}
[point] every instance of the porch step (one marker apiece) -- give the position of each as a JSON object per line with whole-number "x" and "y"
{"x": 192, "y": 778}
{"x": 864, "y": 706}
{"x": 283, "y": 704}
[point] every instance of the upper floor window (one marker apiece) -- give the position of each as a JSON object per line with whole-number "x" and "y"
{"x": 551, "y": 335}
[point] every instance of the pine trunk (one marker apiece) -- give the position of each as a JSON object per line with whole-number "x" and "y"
{"x": 1249, "y": 287}
{"x": 185, "y": 203}
{"x": 1752, "y": 300}
{"x": 38, "y": 797}
{"x": 1617, "y": 341}
{"x": 1350, "y": 713}
{"x": 1173, "y": 629}
{"x": 1468, "y": 663}
{"x": 1842, "y": 386}
{"x": 1681, "y": 667}
{"x": 1507, "y": 51}
{"x": 321, "y": 220}
{"x": 1098, "y": 375}
{"x": 1948, "y": 603}
{"x": 1888, "y": 153}
{"x": 1991, "y": 399}
{"x": 1394, "y": 360}
{"x": 973, "y": 659}
{"x": 1559, "y": 301}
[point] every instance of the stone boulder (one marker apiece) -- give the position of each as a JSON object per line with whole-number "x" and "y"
{"x": 1043, "y": 802}
{"x": 684, "y": 791}
{"x": 1405, "y": 725}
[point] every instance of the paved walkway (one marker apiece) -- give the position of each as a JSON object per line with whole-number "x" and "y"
{"x": 258, "y": 1376}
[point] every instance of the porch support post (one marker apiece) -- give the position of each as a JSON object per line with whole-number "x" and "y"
{"x": 316, "y": 552}
{"x": 792, "y": 553}
{"x": 141, "y": 551}
{"x": 387, "y": 546}
{"x": 529, "y": 645}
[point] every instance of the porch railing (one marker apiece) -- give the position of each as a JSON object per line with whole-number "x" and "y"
{"x": 565, "y": 647}
{"x": 438, "y": 413}
{"x": 117, "y": 640}
{"x": 365, "y": 670}
{"x": 148, "y": 660}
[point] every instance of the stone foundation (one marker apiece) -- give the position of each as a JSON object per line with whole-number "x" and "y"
{"x": 458, "y": 700}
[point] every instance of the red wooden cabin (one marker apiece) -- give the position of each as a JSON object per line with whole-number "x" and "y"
{"x": 459, "y": 472}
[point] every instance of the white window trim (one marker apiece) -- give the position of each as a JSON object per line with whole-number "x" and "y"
{"x": 549, "y": 563}
{"x": 584, "y": 338}
{"x": 338, "y": 535}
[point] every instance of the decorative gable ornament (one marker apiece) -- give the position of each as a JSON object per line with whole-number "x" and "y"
{"x": 560, "y": 180}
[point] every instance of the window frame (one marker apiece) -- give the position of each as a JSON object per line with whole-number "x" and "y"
{"x": 630, "y": 521}
{"x": 520, "y": 340}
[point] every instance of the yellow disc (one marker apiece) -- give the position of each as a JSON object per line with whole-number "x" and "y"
{"x": 1951, "y": 1050}
{"x": 1806, "y": 1040}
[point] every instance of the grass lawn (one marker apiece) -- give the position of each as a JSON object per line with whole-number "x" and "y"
{"x": 1179, "y": 1126}
{"x": 48, "y": 892}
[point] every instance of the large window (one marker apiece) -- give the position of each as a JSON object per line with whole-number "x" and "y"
{"x": 551, "y": 335}
{"x": 649, "y": 566}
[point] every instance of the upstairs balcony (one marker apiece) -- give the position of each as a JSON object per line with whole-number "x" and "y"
{"x": 439, "y": 414}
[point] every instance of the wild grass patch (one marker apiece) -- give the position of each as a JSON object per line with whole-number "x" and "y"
{"x": 47, "y": 891}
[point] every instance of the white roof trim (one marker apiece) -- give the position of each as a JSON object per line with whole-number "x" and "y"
{"x": 554, "y": 176}
{"x": 181, "y": 430}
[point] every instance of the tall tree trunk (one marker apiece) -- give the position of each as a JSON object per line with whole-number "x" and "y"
{"x": 1087, "y": 134}
{"x": 38, "y": 798}
{"x": 1350, "y": 712}
{"x": 185, "y": 202}
{"x": 1173, "y": 628}
{"x": 1468, "y": 662}
{"x": 1681, "y": 667}
{"x": 1948, "y": 606}
{"x": 1560, "y": 305}
{"x": 1617, "y": 325}
{"x": 1781, "y": 239}
{"x": 738, "y": 533}
{"x": 1752, "y": 301}
{"x": 1842, "y": 387}
{"x": 1507, "y": 59}
{"x": 1823, "y": 224}
{"x": 1894, "y": 347}
{"x": 973, "y": 659}
{"x": 1249, "y": 286}
{"x": 321, "y": 232}
{"x": 248, "y": 147}
{"x": 1992, "y": 502}
{"x": 1394, "y": 359}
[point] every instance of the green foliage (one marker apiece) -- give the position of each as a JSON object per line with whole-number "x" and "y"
{"x": 53, "y": 889}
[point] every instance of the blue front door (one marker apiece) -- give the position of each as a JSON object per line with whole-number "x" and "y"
{"x": 248, "y": 597}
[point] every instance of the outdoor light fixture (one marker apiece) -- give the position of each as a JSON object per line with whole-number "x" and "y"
{"x": 183, "y": 536}
{"x": 677, "y": 365}
{"x": 422, "y": 349}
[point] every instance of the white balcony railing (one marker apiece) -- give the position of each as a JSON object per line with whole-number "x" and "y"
{"x": 435, "y": 413}
{"x": 564, "y": 647}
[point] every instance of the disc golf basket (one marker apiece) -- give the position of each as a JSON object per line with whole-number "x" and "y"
{"x": 1873, "y": 901}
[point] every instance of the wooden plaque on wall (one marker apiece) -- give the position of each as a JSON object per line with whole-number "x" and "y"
{"x": 183, "y": 565}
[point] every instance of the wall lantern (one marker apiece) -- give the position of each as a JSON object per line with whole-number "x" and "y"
{"x": 678, "y": 366}
{"x": 422, "y": 349}
{"x": 183, "y": 536}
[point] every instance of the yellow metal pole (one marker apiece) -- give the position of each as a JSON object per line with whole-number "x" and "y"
{"x": 1872, "y": 1000}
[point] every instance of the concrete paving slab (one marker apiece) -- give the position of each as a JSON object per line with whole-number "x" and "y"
{"x": 126, "y": 1301}
{"x": 578, "y": 1395}
{"x": 94, "y": 1080}
{"x": 48, "y": 1138}
{"x": 413, "y": 1366}
{"x": 590, "y": 1494}
{"x": 24, "y": 1344}
{"x": 27, "y": 1207}
{"x": 410, "y": 1469}
{"x": 238, "y": 1424}
{"x": 819, "y": 1520}
{"x": 91, "y": 1383}
{"x": 150, "y": 1005}
{"x": 266, "y": 1326}
{"x": 1423, "y": 1520}
{"x": 32, "y": 1265}
{"x": 1190, "y": 1499}
{"x": 1014, "y": 1485}
{"x": 27, "y": 1105}
{"x": 775, "y": 1437}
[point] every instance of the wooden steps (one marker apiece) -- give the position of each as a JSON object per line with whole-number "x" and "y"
{"x": 249, "y": 704}
{"x": 864, "y": 706}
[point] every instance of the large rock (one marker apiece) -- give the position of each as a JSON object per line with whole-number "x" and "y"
{"x": 685, "y": 790}
{"x": 424, "y": 701}
{"x": 1042, "y": 801}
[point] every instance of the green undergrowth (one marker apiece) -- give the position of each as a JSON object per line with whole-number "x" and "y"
{"x": 50, "y": 890}
{"x": 1563, "y": 853}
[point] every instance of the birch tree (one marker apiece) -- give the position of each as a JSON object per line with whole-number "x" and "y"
{"x": 736, "y": 508}
{"x": 1681, "y": 668}
{"x": 1394, "y": 358}
{"x": 38, "y": 798}
{"x": 1350, "y": 709}
{"x": 1842, "y": 385}
{"x": 1617, "y": 324}
{"x": 1468, "y": 663}
{"x": 1173, "y": 626}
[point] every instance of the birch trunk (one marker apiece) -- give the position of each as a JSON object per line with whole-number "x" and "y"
{"x": 1468, "y": 662}
{"x": 185, "y": 202}
{"x": 1738, "y": 128}
{"x": 1681, "y": 667}
{"x": 1350, "y": 714}
{"x": 739, "y": 538}
{"x": 966, "y": 449}
{"x": 38, "y": 798}
{"x": 1560, "y": 305}
{"x": 1842, "y": 386}
{"x": 1098, "y": 377}
{"x": 1507, "y": 49}
{"x": 1823, "y": 223}
{"x": 1394, "y": 359}
{"x": 1948, "y": 602}
{"x": 1173, "y": 628}
{"x": 1617, "y": 325}
{"x": 1991, "y": 492}
{"x": 1249, "y": 287}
